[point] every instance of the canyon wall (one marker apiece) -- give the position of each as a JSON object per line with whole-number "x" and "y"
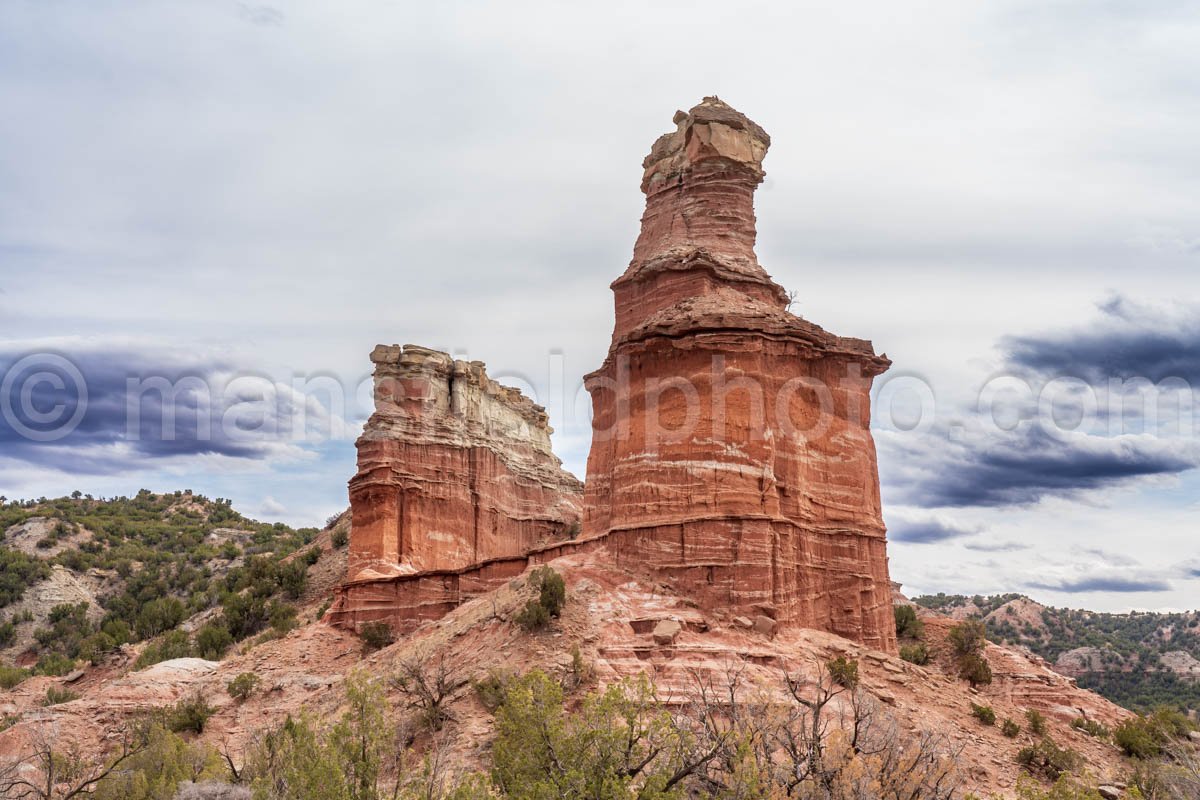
{"x": 731, "y": 448}
{"x": 454, "y": 469}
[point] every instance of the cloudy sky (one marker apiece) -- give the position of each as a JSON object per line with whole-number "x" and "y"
{"x": 241, "y": 200}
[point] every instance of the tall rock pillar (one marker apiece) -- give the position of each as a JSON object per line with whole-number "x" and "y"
{"x": 731, "y": 448}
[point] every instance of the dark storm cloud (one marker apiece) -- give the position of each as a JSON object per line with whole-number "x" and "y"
{"x": 1103, "y": 583}
{"x": 988, "y": 467}
{"x": 926, "y": 531}
{"x": 1128, "y": 341}
{"x": 1049, "y": 446}
{"x": 102, "y": 410}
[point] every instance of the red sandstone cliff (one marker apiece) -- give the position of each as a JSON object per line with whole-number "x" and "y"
{"x": 731, "y": 449}
{"x": 731, "y": 452}
{"x": 454, "y": 471}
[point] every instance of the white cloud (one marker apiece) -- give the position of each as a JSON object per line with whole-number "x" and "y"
{"x": 271, "y": 507}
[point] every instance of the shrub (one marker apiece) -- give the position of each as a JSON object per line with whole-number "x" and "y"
{"x": 843, "y": 671}
{"x": 165, "y": 766}
{"x": 581, "y": 670}
{"x": 8, "y": 632}
{"x": 282, "y": 617}
{"x": 11, "y": 676}
{"x": 1010, "y": 729}
{"x": 533, "y": 617}
{"x": 54, "y": 665}
{"x": 175, "y": 644}
{"x": 312, "y": 556}
{"x": 55, "y": 695}
{"x": 1065, "y": 788}
{"x": 213, "y": 640}
{"x": 293, "y": 577}
{"x": 242, "y": 686}
{"x": 1048, "y": 759}
{"x": 339, "y": 538}
{"x": 984, "y": 714}
{"x": 376, "y": 634}
{"x": 975, "y": 670}
{"x": 968, "y": 640}
{"x": 1139, "y": 738}
{"x": 158, "y": 616}
{"x": 1091, "y": 727}
{"x": 1172, "y": 722}
{"x": 118, "y": 630}
{"x": 968, "y": 637}
{"x": 1037, "y": 723}
{"x": 907, "y": 622}
{"x": 552, "y": 590}
{"x": 490, "y": 689}
{"x": 345, "y": 761}
{"x": 189, "y": 714}
{"x": 915, "y": 653}
{"x": 244, "y": 614}
{"x": 427, "y": 687}
{"x": 18, "y": 572}
{"x": 95, "y": 647}
{"x": 552, "y": 594}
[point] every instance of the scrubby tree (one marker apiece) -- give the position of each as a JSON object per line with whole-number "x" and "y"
{"x": 213, "y": 640}
{"x": 427, "y": 687}
{"x": 552, "y": 594}
{"x": 50, "y": 769}
{"x": 968, "y": 640}
{"x": 156, "y": 772}
{"x": 908, "y": 625}
{"x": 243, "y": 685}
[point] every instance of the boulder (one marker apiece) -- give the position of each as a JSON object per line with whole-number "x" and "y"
{"x": 665, "y": 631}
{"x": 765, "y": 625}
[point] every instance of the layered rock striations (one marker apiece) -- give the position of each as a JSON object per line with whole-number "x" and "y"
{"x": 731, "y": 451}
{"x": 731, "y": 447}
{"x": 455, "y": 471}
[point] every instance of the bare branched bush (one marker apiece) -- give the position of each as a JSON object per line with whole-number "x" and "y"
{"x": 827, "y": 741}
{"x": 52, "y": 770}
{"x": 427, "y": 688}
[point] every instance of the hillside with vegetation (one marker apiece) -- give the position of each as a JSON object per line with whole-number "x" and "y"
{"x": 1140, "y": 660}
{"x": 160, "y": 575}
{"x": 173, "y": 646}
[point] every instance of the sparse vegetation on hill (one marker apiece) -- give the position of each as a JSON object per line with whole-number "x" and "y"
{"x": 153, "y": 561}
{"x": 1139, "y": 660}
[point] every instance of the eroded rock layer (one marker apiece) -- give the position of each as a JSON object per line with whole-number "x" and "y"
{"x": 731, "y": 447}
{"x": 454, "y": 471}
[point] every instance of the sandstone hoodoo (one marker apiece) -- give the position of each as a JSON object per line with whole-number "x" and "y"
{"x": 455, "y": 471}
{"x": 731, "y": 450}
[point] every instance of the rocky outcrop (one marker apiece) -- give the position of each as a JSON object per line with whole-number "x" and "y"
{"x": 731, "y": 451}
{"x": 455, "y": 471}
